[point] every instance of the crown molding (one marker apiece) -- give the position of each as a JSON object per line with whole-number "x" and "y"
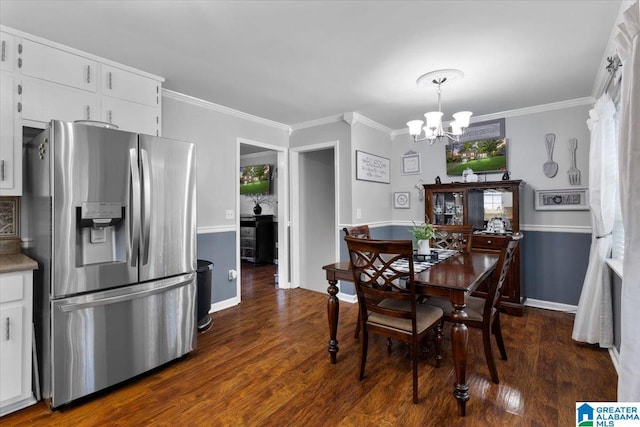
{"x": 351, "y": 118}
{"x": 317, "y": 122}
{"x": 224, "y": 110}
{"x": 588, "y": 100}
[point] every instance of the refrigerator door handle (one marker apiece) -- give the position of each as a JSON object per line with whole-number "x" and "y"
{"x": 178, "y": 282}
{"x": 146, "y": 193}
{"x": 134, "y": 209}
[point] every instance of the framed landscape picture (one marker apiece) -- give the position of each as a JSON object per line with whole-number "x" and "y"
{"x": 482, "y": 148}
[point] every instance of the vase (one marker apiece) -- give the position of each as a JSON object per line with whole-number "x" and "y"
{"x": 257, "y": 209}
{"x": 423, "y": 247}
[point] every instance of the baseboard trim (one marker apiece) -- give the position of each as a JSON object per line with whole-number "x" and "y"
{"x": 347, "y": 298}
{"x": 550, "y": 305}
{"x": 221, "y": 305}
{"x": 615, "y": 359}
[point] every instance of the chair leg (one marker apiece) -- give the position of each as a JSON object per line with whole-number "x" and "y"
{"x": 488, "y": 354}
{"x": 365, "y": 345}
{"x": 438, "y": 342}
{"x": 414, "y": 363}
{"x": 497, "y": 331}
{"x": 357, "y": 334}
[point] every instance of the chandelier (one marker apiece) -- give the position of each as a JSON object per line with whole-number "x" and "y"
{"x": 433, "y": 129}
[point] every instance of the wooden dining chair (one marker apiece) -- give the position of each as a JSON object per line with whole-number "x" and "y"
{"x": 360, "y": 231}
{"x": 483, "y": 313}
{"x": 456, "y": 237}
{"x": 384, "y": 277}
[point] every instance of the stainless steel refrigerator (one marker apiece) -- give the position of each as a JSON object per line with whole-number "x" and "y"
{"x": 112, "y": 215}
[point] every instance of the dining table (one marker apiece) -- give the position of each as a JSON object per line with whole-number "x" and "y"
{"x": 454, "y": 278}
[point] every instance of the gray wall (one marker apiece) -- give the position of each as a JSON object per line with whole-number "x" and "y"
{"x": 317, "y": 216}
{"x": 215, "y": 134}
{"x": 219, "y": 248}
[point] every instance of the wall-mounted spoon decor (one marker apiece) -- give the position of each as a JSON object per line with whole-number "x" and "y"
{"x": 550, "y": 168}
{"x": 574, "y": 172}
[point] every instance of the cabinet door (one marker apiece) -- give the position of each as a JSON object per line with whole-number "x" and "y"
{"x": 58, "y": 66}
{"x": 11, "y": 358}
{"x": 10, "y": 138}
{"x": 43, "y": 101}
{"x": 130, "y": 116}
{"x": 129, "y": 86}
{"x": 7, "y": 52}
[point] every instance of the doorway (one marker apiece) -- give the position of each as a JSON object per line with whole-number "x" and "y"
{"x": 275, "y": 212}
{"x": 314, "y": 213}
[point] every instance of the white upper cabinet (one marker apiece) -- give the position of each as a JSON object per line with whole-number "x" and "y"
{"x": 57, "y": 66}
{"x": 8, "y": 51}
{"x": 131, "y": 116}
{"x": 133, "y": 87}
{"x": 43, "y": 101}
{"x": 10, "y": 137}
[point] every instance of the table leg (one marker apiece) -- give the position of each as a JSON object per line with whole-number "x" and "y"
{"x": 459, "y": 337}
{"x": 333, "y": 308}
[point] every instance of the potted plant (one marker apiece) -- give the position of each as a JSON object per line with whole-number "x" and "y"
{"x": 421, "y": 235}
{"x": 258, "y": 199}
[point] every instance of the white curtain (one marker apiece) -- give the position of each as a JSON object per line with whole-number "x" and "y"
{"x": 629, "y": 157}
{"x": 594, "y": 319}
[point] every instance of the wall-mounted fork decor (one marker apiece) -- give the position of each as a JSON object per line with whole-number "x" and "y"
{"x": 573, "y": 172}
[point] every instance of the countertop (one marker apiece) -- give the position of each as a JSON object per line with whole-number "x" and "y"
{"x": 16, "y": 262}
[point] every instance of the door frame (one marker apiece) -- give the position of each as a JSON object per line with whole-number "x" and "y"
{"x": 283, "y": 212}
{"x": 294, "y": 156}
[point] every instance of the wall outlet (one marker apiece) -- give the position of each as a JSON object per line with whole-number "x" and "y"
{"x": 233, "y": 274}
{"x": 229, "y": 214}
{"x": 358, "y": 213}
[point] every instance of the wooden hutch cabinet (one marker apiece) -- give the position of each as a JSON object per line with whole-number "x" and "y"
{"x": 477, "y": 203}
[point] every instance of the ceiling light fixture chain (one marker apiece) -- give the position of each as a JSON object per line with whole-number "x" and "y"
{"x": 433, "y": 131}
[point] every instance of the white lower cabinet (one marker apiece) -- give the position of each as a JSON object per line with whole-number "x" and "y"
{"x": 16, "y": 293}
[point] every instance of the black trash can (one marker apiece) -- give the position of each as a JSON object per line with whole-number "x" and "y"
{"x": 204, "y": 294}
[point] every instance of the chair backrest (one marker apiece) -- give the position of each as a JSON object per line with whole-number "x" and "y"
{"x": 361, "y": 231}
{"x": 383, "y": 269}
{"x": 500, "y": 274}
{"x": 456, "y": 237}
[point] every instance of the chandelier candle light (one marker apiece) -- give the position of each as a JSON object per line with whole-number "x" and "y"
{"x": 433, "y": 129}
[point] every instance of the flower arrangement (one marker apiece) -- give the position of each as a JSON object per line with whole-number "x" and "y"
{"x": 424, "y": 231}
{"x": 261, "y": 199}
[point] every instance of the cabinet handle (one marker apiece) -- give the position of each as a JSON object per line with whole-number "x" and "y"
{"x": 19, "y": 107}
{"x": 19, "y": 62}
{"x": 110, "y": 116}
{"x": 7, "y": 329}
{"x": 19, "y": 47}
{"x": 109, "y": 80}
{"x": 489, "y": 242}
{"x": 4, "y": 49}
{"x": 88, "y": 112}
{"x": 2, "y": 170}
{"x": 19, "y": 89}
{"x": 88, "y": 73}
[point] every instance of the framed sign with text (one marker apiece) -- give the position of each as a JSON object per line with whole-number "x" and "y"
{"x": 570, "y": 199}
{"x": 370, "y": 167}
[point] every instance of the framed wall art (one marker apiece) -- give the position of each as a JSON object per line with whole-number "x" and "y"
{"x": 401, "y": 200}
{"x": 370, "y": 167}
{"x": 411, "y": 163}
{"x": 569, "y": 199}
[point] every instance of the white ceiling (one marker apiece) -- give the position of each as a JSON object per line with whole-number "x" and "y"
{"x": 296, "y": 61}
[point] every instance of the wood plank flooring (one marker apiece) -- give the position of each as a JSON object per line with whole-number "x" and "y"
{"x": 265, "y": 363}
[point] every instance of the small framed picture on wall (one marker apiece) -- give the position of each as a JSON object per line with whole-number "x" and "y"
{"x": 402, "y": 200}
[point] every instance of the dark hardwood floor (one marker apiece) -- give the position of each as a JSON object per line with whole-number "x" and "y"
{"x": 265, "y": 363}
